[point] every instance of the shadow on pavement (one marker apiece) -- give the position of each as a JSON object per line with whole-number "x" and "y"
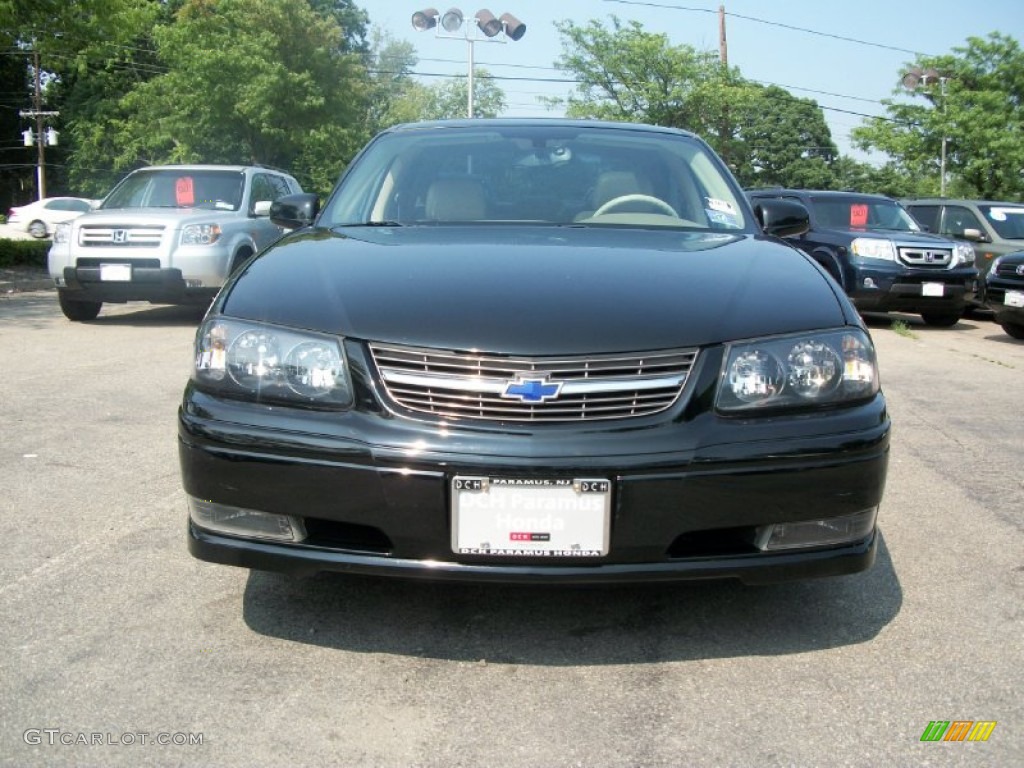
{"x": 562, "y": 626}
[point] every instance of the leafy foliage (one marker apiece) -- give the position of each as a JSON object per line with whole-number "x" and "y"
{"x": 977, "y": 103}
{"x": 766, "y": 135}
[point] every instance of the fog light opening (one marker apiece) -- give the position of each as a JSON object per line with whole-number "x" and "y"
{"x": 828, "y": 531}
{"x": 869, "y": 283}
{"x": 250, "y": 523}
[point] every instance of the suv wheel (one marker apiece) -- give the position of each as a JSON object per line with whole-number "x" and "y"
{"x": 1014, "y": 329}
{"x": 78, "y": 311}
{"x": 941, "y": 319}
{"x": 37, "y": 229}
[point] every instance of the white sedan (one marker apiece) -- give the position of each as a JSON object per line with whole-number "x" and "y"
{"x": 41, "y": 217}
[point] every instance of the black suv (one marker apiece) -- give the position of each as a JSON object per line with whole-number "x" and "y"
{"x": 877, "y": 252}
{"x": 1003, "y": 293}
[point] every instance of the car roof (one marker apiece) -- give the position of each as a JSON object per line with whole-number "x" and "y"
{"x": 210, "y": 167}
{"x": 548, "y": 122}
{"x": 845, "y": 194}
{"x": 956, "y": 201}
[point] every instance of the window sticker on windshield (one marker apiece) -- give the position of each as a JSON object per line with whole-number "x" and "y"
{"x": 721, "y": 205}
{"x": 858, "y": 215}
{"x": 1001, "y": 214}
{"x": 183, "y": 191}
{"x": 721, "y": 219}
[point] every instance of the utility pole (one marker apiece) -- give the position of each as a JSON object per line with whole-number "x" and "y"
{"x": 723, "y": 46}
{"x": 41, "y": 137}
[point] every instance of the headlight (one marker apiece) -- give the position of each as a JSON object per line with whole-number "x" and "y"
{"x": 826, "y": 368}
{"x": 200, "y": 234}
{"x": 62, "y": 232}
{"x": 873, "y": 248}
{"x": 994, "y": 266}
{"x": 963, "y": 253}
{"x": 271, "y": 364}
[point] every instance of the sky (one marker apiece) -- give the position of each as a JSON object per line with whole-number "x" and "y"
{"x": 843, "y": 76}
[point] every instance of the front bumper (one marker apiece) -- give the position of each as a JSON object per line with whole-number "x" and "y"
{"x": 148, "y": 283}
{"x": 994, "y": 298}
{"x": 374, "y": 491}
{"x": 898, "y": 289}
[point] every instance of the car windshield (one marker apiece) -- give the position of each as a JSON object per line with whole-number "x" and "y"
{"x": 178, "y": 188}
{"x": 862, "y": 213}
{"x": 1007, "y": 220}
{"x": 555, "y": 174}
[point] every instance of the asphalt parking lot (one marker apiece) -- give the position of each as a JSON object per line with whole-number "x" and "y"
{"x": 116, "y": 640}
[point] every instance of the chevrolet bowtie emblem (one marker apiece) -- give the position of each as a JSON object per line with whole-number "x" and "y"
{"x": 532, "y": 390}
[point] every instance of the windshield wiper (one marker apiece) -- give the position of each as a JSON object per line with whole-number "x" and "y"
{"x": 373, "y": 224}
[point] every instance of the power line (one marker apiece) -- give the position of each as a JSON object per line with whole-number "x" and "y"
{"x": 791, "y": 27}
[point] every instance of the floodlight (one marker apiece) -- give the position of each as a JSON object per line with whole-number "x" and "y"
{"x": 452, "y": 20}
{"x": 487, "y": 22}
{"x": 514, "y": 28}
{"x": 425, "y": 19}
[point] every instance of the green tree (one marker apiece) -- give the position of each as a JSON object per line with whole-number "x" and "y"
{"x": 261, "y": 81}
{"x": 450, "y": 98}
{"x": 765, "y": 134}
{"x": 975, "y": 98}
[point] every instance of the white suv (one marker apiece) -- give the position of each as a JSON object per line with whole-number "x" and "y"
{"x": 167, "y": 234}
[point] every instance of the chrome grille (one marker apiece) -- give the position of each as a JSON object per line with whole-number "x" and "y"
{"x": 120, "y": 237}
{"x": 473, "y": 385}
{"x": 938, "y": 258}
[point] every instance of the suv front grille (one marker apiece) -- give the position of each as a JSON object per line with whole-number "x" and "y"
{"x": 471, "y": 385}
{"x": 938, "y": 258}
{"x": 1010, "y": 270}
{"x": 92, "y": 235}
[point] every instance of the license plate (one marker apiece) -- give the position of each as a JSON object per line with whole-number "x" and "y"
{"x": 117, "y": 273}
{"x": 1014, "y": 299}
{"x": 530, "y": 517}
{"x": 932, "y": 289}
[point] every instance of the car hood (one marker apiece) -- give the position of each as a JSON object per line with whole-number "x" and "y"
{"x": 535, "y": 290}
{"x": 169, "y": 217}
{"x": 913, "y": 238}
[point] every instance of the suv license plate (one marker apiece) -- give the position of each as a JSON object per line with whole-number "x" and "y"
{"x": 531, "y": 517}
{"x": 1014, "y": 299}
{"x": 116, "y": 273}
{"x": 932, "y": 289}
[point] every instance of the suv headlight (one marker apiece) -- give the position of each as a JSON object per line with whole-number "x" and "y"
{"x": 873, "y": 248}
{"x": 271, "y": 364}
{"x": 805, "y": 371}
{"x": 200, "y": 234}
{"x": 963, "y": 253}
{"x": 62, "y": 232}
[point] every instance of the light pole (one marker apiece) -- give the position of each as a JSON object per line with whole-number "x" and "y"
{"x": 916, "y": 78}
{"x": 448, "y": 25}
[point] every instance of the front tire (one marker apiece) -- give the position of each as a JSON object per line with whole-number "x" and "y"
{"x": 78, "y": 311}
{"x": 1014, "y": 329}
{"x": 940, "y": 319}
{"x": 37, "y": 229}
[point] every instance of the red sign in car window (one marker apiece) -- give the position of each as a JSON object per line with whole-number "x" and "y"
{"x": 183, "y": 191}
{"x": 858, "y": 215}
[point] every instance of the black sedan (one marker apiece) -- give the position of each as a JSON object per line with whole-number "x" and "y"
{"x": 1003, "y": 293}
{"x": 535, "y": 350}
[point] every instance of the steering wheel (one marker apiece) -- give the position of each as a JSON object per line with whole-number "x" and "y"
{"x": 618, "y": 202}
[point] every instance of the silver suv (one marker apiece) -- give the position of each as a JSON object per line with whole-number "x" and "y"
{"x": 167, "y": 234}
{"x": 994, "y": 228}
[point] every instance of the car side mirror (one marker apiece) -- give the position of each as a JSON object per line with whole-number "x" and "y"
{"x": 782, "y": 218}
{"x": 976, "y": 235}
{"x": 261, "y": 208}
{"x": 295, "y": 211}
